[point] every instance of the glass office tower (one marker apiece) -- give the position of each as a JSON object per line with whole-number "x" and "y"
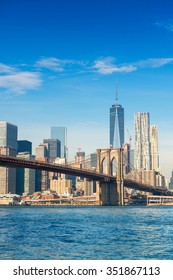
{"x": 60, "y": 133}
{"x": 116, "y": 126}
{"x": 54, "y": 148}
{"x": 24, "y": 146}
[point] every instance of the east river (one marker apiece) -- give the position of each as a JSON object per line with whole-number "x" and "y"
{"x": 91, "y": 233}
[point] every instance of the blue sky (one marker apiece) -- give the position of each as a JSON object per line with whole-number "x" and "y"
{"x": 59, "y": 62}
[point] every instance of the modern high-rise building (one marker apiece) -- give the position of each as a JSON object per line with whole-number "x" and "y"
{"x": 41, "y": 151}
{"x": 60, "y": 133}
{"x": 116, "y": 124}
{"x": 142, "y": 141}
{"x": 154, "y": 147}
{"x": 25, "y": 177}
{"x": 171, "y": 182}
{"x": 24, "y": 146}
{"x": 92, "y": 161}
{"x": 126, "y": 158}
{"x": 131, "y": 159}
{"x": 7, "y": 174}
{"x": 54, "y": 150}
{"x": 8, "y": 135}
{"x": 8, "y": 146}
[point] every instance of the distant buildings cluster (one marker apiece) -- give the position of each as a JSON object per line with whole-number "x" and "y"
{"x": 140, "y": 163}
{"x": 25, "y": 181}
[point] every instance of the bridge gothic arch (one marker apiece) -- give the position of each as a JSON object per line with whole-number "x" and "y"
{"x": 114, "y": 166}
{"x": 103, "y": 167}
{"x": 109, "y": 161}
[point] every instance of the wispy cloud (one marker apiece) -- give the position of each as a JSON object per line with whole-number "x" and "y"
{"x": 103, "y": 66}
{"x": 107, "y": 66}
{"x": 56, "y": 64}
{"x": 20, "y": 78}
{"x": 50, "y": 63}
{"x": 154, "y": 62}
{"x": 6, "y": 69}
{"x": 168, "y": 25}
{"x": 18, "y": 81}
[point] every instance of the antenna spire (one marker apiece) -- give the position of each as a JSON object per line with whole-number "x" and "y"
{"x": 116, "y": 92}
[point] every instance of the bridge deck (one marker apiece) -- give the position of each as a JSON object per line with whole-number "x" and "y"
{"x": 8, "y": 161}
{"x": 52, "y": 167}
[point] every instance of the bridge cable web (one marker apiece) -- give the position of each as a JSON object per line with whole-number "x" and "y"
{"x": 137, "y": 171}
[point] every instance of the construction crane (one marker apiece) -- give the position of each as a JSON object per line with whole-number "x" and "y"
{"x": 130, "y": 138}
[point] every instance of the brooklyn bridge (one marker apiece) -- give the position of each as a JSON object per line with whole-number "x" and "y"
{"x": 110, "y": 185}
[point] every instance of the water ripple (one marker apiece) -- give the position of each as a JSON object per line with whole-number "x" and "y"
{"x": 86, "y": 233}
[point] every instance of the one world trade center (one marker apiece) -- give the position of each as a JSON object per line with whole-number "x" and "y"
{"x": 116, "y": 124}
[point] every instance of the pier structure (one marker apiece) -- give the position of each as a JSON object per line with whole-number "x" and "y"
{"x": 155, "y": 200}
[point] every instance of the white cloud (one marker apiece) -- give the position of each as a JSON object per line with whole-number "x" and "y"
{"x": 6, "y": 69}
{"x": 165, "y": 24}
{"x": 16, "y": 80}
{"x": 154, "y": 62}
{"x": 50, "y": 63}
{"x": 56, "y": 64}
{"x": 19, "y": 82}
{"x": 106, "y": 66}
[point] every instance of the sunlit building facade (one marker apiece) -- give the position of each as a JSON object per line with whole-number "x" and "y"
{"x": 8, "y": 135}
{"x": 154, "y": 147}
{"x": 8, "y": 146}
{"x": 142, "y": 141}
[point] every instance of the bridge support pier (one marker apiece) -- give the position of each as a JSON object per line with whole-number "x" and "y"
{"x": 110, "y": 193}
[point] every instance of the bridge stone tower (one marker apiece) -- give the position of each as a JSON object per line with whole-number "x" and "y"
{"x": 110, "y": 161}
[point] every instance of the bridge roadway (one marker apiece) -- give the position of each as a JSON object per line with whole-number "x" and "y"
{"x": 8, "y": 161}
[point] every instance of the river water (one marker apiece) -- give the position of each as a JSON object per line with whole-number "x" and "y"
{"x": 98, "y": 233}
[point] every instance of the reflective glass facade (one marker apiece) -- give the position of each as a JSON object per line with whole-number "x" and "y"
{"x": 116, "y": 126}
{"x": 60, "y": 133}
{"x": 54, "y": 148}
{"x": 24, "y": 146}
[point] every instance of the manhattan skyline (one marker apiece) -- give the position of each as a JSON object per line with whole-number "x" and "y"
{"x": 60, "y": 60}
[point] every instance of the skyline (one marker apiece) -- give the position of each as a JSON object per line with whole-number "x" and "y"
{"x": 59, "y": 62}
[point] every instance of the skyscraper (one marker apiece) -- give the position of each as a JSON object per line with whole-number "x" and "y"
{"x": 116, "y": 124}
{"x": 60, "y": 133}
{"x": 42, "y": 151}
{"x": 8, "y": 135}
{"x": 142, "y": 141}
{"x": 54, "y": 149}
{"x": 8, "y": 146}
{"x": 24, "y": 146}
{"x": 154, "y": 147}
{"x": 25, "y": 177}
